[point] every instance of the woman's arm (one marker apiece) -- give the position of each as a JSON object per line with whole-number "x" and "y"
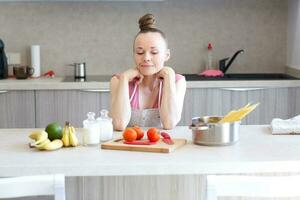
{"x": 120, "y": 109}
{"x": 172, "y": 98}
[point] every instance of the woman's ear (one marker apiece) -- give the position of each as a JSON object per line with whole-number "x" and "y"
{"x": 168, "y": 54}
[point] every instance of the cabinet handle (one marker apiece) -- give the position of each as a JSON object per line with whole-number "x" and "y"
{"x": 242, "y": 89}
{"x": 3, "y": 91}
{"x": 96, "y": 90}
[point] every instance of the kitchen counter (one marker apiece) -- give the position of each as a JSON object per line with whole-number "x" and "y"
{"x": 58, "y": 84}
{"x": 51, "y": 84}
{"x": 257, "y": 152}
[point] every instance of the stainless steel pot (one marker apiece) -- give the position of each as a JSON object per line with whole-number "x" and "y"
{"x": 79, "y": 70}
{"x": 207, "y": 131}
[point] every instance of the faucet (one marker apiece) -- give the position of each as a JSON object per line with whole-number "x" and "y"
{"x": 222, "y": 63}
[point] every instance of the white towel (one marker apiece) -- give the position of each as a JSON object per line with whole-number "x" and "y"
{"x": 288, "y": 126}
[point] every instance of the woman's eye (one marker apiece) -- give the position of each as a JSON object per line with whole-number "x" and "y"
{"x": 154, "y": 52}
{"x": 139, "y": 53}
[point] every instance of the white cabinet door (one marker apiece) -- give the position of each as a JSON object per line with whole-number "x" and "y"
{"x": 17, "y": 109}
{"x": 68, "y": 105}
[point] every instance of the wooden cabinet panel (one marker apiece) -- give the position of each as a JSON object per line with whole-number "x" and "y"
{"x": 203, "y": 102}
{"x": 169, "y": 187}
{"x": 274, "y": 102}
{"x": 17, "y": 109}
{"x": 68, "y": 105}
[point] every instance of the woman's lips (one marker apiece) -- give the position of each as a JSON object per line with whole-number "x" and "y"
{"x": 147, "y": 65}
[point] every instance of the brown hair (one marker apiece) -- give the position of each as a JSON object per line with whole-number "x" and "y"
{"x": 146, "y": 24}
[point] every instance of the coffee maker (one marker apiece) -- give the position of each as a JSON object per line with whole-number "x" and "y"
{"x": 3, "y": 62}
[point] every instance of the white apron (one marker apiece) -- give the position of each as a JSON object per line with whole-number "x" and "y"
{"x": 146, "y": 117}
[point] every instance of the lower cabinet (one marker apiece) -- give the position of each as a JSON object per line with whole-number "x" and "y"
{"x": 150, "y": 187}
{"x": 27, "y": 109}
{"x": 17, "y": 109}
{"x": 68, "y": 105}
{"x": 274, "y": 103}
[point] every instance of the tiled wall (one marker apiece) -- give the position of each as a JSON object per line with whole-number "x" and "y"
{"x": 101, "y": 33}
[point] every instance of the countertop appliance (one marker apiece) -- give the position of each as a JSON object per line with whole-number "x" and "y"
{"x": 3, "y": 62}
{"x": 79, "y": 70}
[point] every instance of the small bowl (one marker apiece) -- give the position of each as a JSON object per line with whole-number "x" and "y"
{"x": 23, "y": 72}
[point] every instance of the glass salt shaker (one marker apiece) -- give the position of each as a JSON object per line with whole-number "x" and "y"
{"x": 106, "y": 127}
{"x": 91, "y": 134}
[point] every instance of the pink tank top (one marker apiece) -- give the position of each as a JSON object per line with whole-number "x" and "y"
{"x": 134, "y": 94}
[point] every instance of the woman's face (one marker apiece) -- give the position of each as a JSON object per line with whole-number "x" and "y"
{"x": 150, "y": 53}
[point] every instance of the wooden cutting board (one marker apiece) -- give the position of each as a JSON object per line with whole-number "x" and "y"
{"x": 159, "y": 147}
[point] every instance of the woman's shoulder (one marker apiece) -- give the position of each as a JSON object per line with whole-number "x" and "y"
{"x": 179, "y": 77}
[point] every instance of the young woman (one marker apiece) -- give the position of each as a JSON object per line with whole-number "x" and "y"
{"x": 149, "y": 94}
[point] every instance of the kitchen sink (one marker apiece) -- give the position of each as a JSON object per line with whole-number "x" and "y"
{"x": 242, "y": 76}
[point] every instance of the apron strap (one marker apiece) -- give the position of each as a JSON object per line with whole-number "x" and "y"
{"x": 159, "y": 93}
{"x": 132, "y": 94}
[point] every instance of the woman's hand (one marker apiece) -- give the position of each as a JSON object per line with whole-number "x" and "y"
{"x": 166, "y": 72}
{"x": 131, "y": 74}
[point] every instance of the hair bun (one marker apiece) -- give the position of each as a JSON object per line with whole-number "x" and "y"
{"x": 147, "y": 22}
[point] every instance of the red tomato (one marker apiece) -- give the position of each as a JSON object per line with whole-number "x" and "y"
{"x": 153, "y": 135}
{"x": 139, "y": 131}
{"x": 129, "y": 134}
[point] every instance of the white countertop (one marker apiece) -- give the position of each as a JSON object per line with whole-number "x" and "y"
{"x": 257, "y": 152}
{"x": 58, "y": 84}
{"x": 49, "y": 84}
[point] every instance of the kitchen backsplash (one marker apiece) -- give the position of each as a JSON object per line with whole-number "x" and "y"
{"x": 101, "y": 33}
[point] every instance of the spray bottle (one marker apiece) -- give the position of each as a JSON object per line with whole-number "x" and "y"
{"x": 209, "y": 57}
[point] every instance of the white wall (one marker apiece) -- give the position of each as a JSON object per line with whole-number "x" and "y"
{"x": 101, "y": 33}
{"x": 293, "y": 44}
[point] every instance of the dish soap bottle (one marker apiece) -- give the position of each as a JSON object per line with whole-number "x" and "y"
{"x": 106, "y": 127}
{"x": 91, "y": 134}
{"x": 209, "y": 57}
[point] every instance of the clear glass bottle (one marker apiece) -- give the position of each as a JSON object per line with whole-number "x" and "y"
{"x": 91, "y": 134}
{"x": 106, "y": 126}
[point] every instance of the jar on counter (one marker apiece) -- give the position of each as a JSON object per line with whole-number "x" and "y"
{"x": 105, "y": 126}
{"x": 91, "y": 134}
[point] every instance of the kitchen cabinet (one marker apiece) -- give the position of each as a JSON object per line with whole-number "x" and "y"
{"x": 17, "y": 109}
{"x": 68, "y": 105}
{"x": 37, "y": 108}
{"x": 274, "y": 102}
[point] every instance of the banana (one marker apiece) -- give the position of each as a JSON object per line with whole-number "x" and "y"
{"x": 33, "y": 135}
{"x": 55, "y": 144}
{"x": 73, "y": 139}
{"x": 39, "y": 136}
{"x": 42, "y": 142}
{"x": 65, "y": 135}
{"x": 42, "y": 145}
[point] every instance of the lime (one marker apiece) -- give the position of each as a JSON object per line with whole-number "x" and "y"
{"x": 54, "y": 131}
